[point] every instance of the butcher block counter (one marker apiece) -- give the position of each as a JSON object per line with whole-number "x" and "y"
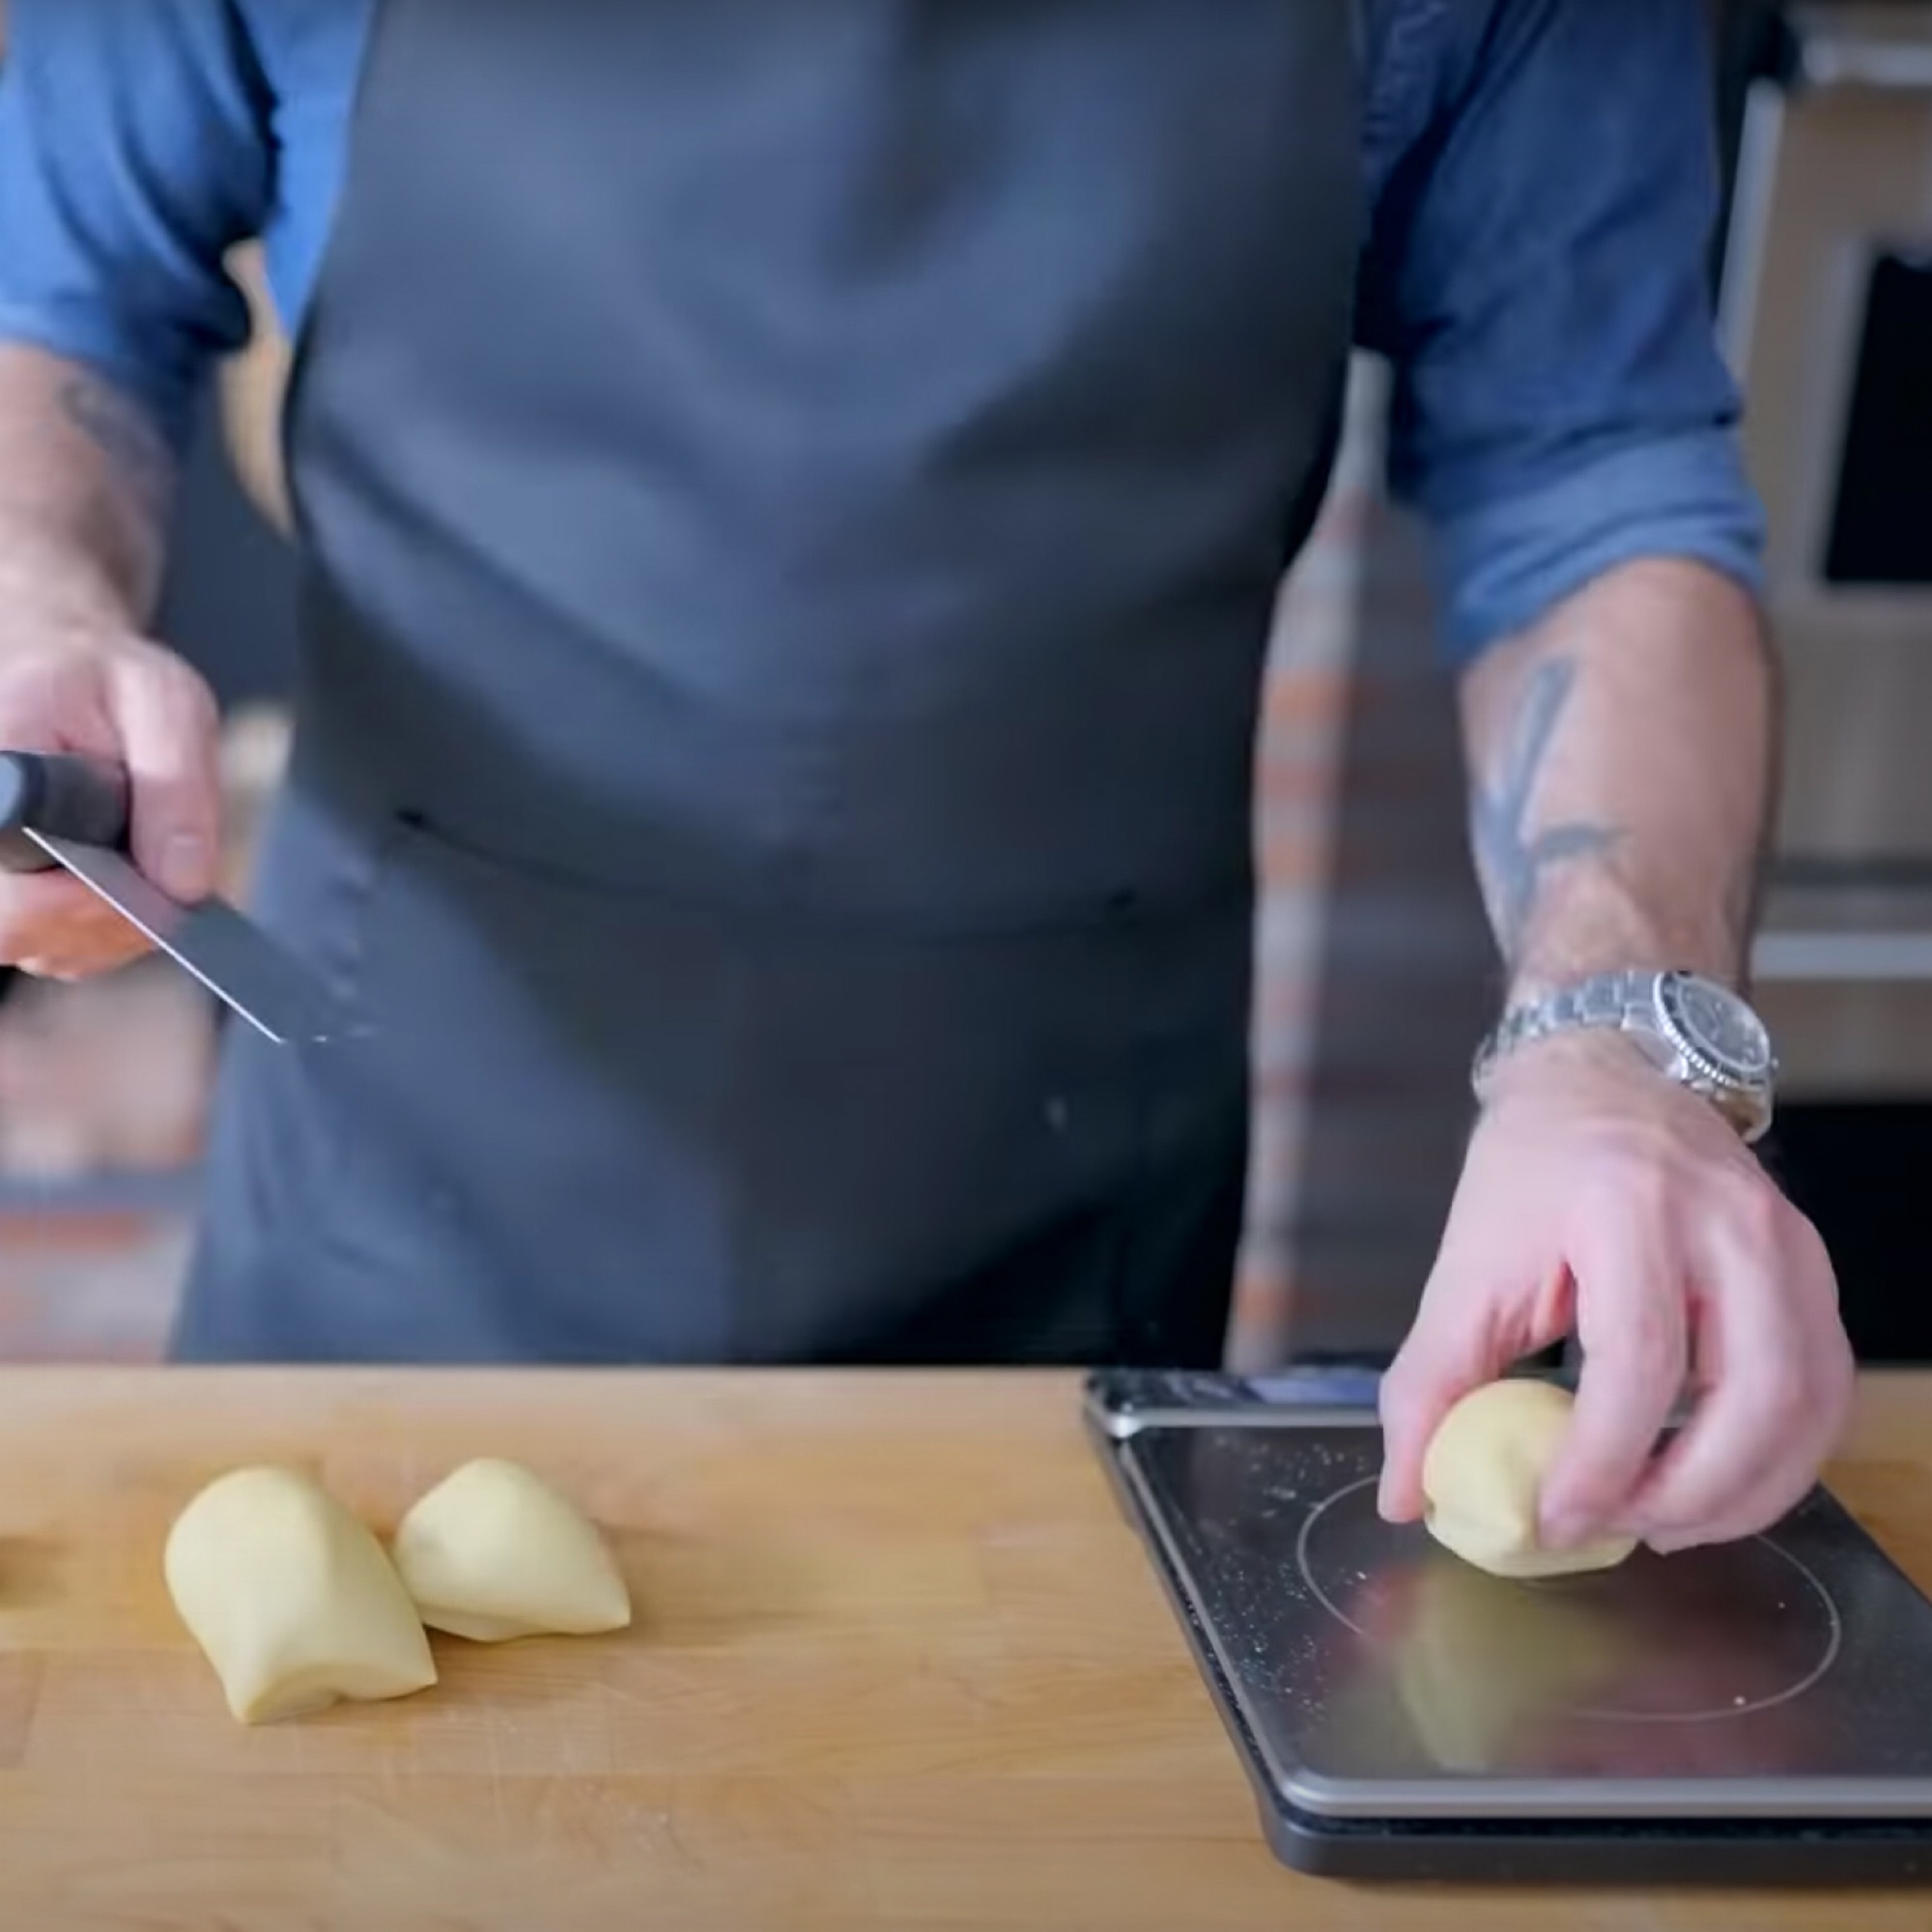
{"x": 897, "y": 1664}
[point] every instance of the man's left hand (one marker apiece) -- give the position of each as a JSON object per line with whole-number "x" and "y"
{"x": 1600, "y": 1199}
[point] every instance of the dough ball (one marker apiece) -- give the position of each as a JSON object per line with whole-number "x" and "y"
{"x": 291, "y": 1598}
{"x": 492, "y": 1551}
{"x": 1483, "y": 1474}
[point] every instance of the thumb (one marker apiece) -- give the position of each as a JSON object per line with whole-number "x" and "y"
{"x": 166, "y": 719}
{"x": 1448, "y": 1352}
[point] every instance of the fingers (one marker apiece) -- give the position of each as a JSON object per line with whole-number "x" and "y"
{"x": 55, "y": 927}
{"x": 1632, "y": 1205}
{"x": 49, "y": 923}
{"x": 134, "y": 704}
{"x": 1631, "y": 1320}
{"x": 52, "y": 926}
{"x": 1715, "y": 1474}
{"x": 1748, "y": 1515}
{"x": 1777, "y": 1377}
{"x": 1445, "y": 1356}
{"x": 168, "y": 728}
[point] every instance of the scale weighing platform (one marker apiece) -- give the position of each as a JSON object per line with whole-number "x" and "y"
{"x": 1754, "y": 1712}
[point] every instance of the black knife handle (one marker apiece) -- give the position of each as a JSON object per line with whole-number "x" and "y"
{"x": 58, "y": 793}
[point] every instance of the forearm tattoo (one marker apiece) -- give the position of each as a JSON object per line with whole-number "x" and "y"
{"x": 117, "y": 428}
{"x": 1511, "y": 853}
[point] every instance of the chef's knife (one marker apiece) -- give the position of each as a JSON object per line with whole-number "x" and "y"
{"x": 61, "y": 810}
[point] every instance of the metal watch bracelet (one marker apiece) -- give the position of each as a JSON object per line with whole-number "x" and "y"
{"x": 1604, "y": 1000}
{"x": 1659, "y": 1014}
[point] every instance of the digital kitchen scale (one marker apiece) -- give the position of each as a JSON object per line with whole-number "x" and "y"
{"x": 1754, "y": 1712}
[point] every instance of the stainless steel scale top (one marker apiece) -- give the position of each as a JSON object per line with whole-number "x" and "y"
{"x": 1380, "y": 1677}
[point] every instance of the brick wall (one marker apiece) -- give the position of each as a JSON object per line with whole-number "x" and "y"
{"x": 1375, "y": 968}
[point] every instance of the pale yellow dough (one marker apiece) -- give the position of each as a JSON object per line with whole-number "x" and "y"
{"x": 492, "y": 1551}
{"x": 1483, "y": 1474}
{"x": 291, "y": 1598}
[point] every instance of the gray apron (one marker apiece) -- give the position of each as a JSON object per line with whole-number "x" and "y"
{"x": 793, "y": 498}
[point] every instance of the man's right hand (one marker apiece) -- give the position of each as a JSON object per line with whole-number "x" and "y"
{"x": 138, "y": 706}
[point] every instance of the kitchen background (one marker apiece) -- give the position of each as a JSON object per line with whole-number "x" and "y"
{"x": 1378, "y": 971}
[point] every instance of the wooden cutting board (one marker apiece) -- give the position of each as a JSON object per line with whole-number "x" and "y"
{"x": 897, "y": 1664}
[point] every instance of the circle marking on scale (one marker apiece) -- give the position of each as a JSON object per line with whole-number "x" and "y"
{"x": 1731, "y": 1708}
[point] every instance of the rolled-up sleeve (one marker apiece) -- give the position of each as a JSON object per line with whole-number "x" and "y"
{"x": 131, "y": 157}
{"x": 1538, "y": 277}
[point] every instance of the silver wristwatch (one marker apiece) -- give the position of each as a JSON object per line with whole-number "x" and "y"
{"x": 1698, "y": 1033}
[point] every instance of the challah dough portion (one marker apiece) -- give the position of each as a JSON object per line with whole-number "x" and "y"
{"x": 494, "y": 1552}
{"x": 1483, "y": 1474}
{"x": 291, "y": 1598}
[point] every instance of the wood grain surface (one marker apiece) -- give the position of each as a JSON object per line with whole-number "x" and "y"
{"x": 897, "y": 1664}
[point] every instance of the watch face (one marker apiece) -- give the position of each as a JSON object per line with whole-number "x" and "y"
{"x": 1717, "y": 1027}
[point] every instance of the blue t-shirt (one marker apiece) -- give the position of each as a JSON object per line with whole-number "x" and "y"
{"x": 1542, "y": 182}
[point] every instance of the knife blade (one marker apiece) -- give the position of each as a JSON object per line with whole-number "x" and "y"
{"x": 62, "y": 810}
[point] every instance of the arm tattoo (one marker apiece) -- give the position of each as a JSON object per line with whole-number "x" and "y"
{"x": 1510, "y": 854}
{"x": 121, "y": 432}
